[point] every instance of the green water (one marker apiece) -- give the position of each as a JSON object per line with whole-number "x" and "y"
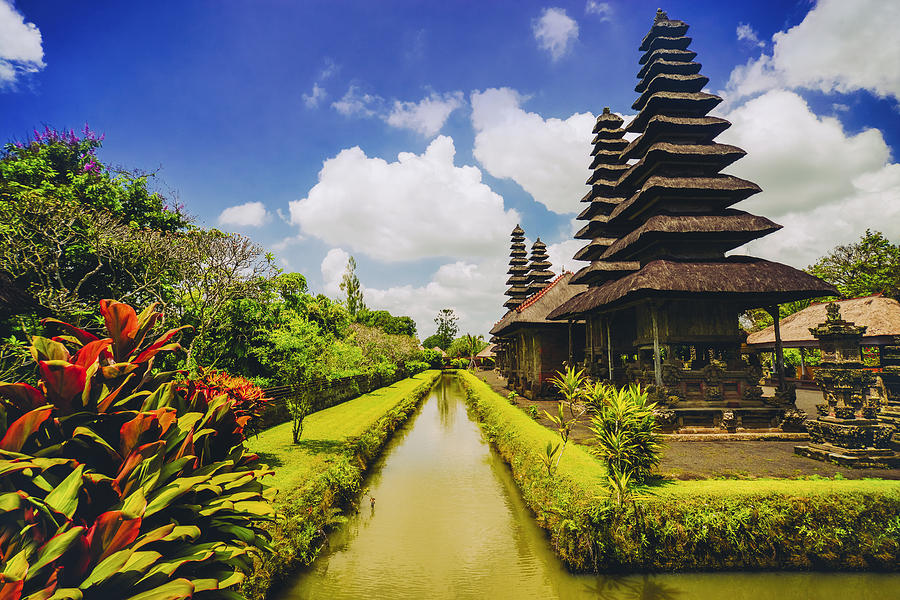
{"x": 448, "y": 522}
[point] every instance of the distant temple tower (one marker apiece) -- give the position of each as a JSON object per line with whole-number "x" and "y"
{"x": 663, "y": 303}
{"x": 518, "y": 270}
{"x": 540, "y": 274}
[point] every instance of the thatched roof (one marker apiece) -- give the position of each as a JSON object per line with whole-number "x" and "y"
{"x": 489, "y": 351}
{"x": 696, "y": 130}
{"x": 720, "y": 190}
{"x": 535, "y": 308}
{"x": 713, "y": 158}
{"x": 601, "y": 270}
{"x": 734, "y": 226}
{"x": 743, "y": 280}
{"x": 683, "y": 103}
{"x": 607, "y": 120}
{"x": 880, "y": 316}
{"x": 664, "y": 54}
{"x": 666, "y": 66}
{"x": 663, "y": 26}
{"x": 670, "y": 82}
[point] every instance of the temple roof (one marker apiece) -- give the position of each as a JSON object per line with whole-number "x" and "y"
{"x": 601, "y": 270}
{"x": 664, "y": 127}
{"x": 668, "y": 54}
{"x": 666, "y": 66}
{"x": 680, "y": 104}
{"x": 880, "y": 316}
{"x": 535, "y": 308}
{"x": 734, "y": 224}
{"x": 746, "y": 281}
{"x": 719, "y": 191}
{"x": 667, "y": 82}
{"x": 663, "y": 26}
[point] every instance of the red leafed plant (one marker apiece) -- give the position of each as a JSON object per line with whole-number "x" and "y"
{"x": 116, "y": 483}
{"x": 248, "y": 401}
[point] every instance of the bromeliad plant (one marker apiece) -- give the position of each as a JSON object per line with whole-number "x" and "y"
{"x": 115, "y": 483}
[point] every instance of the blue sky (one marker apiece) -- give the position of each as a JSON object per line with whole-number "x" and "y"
{"x": 414, "y": 135}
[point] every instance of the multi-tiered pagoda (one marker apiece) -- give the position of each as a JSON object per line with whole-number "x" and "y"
{"x": 518, "y": 270}
{"x": 539, "y": 274}
{"x": 664, "y": 299}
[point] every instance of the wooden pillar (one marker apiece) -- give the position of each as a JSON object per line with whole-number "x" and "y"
{"x": 657, "y": 359}
{"x": 609, "y": 351}
{"x": 779, "y": 349}
{"x": 802, "y": 362}
{"x": 571, "y": 347}
{"x": 589, "y": 331}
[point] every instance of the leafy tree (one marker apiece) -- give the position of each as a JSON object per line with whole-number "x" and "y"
{"x": 869, "y": 266}
{"x": 447, "y": 328}
{"x": 466, "y": 346}
{"x": 432, "y": 341}
{"x": 387, "y": 322}
{"x": 350, "y": 285}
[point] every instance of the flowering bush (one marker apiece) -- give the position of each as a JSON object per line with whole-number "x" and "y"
{"x": 248, "y": 401}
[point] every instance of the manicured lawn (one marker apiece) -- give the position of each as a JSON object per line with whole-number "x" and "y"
{"x": 326, "y": 432}
{"x": 585, "y": 470}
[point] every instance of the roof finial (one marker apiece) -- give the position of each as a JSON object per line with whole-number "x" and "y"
{"x": 660, "y": 16}
{"x": 605, "y": 110}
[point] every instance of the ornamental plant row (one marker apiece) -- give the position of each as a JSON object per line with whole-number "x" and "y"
{"x": 117, "y": 482}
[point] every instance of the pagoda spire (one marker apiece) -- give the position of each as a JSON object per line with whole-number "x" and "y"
{"x": 540, "y": 273}
{"x": 518, "y": 270}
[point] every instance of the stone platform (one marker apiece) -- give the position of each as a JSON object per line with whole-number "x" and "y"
{"x": 865, "y": 458}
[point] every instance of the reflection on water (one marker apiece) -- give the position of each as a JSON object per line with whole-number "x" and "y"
{"x": 448, "y": 522}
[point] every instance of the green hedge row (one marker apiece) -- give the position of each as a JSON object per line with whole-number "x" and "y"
{"x": 677, "y": 530}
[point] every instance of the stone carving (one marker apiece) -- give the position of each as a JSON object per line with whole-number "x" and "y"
{"x": 794, "y": 420}
{"x": 665, "y": 417}
{"x": 729, "y": 420}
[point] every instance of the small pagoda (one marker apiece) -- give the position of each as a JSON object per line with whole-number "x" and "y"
{"x": 539, "y": 274}
{"x": 663, "y": 303}
{"x": 518, "y": 270}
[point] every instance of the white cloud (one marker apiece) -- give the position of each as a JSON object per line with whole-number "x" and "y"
{"x": 426, "y": 116}
{"x": 315, "y": 97}
{"x": 356, "y": 103}
{"x": 555, "y": 31}
{"x": 474, "y": 290}
{"x": 824, "y": 185}
{"x": 838, "y": 47}
{"x": 420, "y": 206}
{"x": 561, "y": 255}
{"x": 601, "y": 9}
{"x": 333, "y": 266}
{"x": 746, "y": 33}
{"x": 549, "y": 158}
{"x": 249, "y": 214}
{"x": 21, "y": 48}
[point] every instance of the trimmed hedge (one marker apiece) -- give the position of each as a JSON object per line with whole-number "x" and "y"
{"x": 310, "y": 510}
{"x": 684, "y": 526}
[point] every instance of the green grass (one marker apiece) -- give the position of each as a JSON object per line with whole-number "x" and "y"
{"x": 589, "y": 473}
{"x": 325, "y": 434}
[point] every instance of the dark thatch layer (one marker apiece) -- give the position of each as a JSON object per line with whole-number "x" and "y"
{"x": 681, "y": 104}
{"x": 594, "y": 249}
{"x": 600, "y": 206}
{"x": 664, "y": 54}
{"x": 735, "y": 225}
{"x": 608, "y": 172}
{"x": 697, "y": 130}
{"x": 713, "y": 157}
{"x": 676, "y": 42}
{"x": 665, "y": 82}
{"x": 605, "y": 143}
{"x": 721, "y": 191}
{"x": 663, "y": 26}
{"x": 599, "y": 271}
{"x": 666, "y": 66}
{"x": 743, "y": 280}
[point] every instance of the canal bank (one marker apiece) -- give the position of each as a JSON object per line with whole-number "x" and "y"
{"x": 322, "y": 474}
{"x": 449, "y": 522}
{"x": 692, "y": 525}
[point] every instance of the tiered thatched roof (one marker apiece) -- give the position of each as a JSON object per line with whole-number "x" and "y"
{"x": 539, "y": 273}
{"x": 518, "y": 270}
{"x": 880, "y": 316}
{"x": 535, "y": 309}
{"x": 665, "y": 224}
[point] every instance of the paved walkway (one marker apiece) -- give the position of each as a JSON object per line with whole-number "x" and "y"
{"x": 720, "y": 458}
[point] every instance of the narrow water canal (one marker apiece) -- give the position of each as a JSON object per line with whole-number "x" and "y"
{"x": 448, "y": 522}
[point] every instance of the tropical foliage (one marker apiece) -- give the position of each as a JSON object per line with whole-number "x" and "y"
{"x": 114, "y": 479}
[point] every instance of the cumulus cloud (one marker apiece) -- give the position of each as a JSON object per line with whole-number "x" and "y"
{"x": 838, "y": 47}
{"x": 21, "y": 46}
{"x": 746, "y": 33}
{"x": 555, "y": 32}
{"x": 426, "y": 116}
{"x": 419, "y": 206}
{"x": 473, "y": 289}
{"x": 249, "y": 214}
{"x": 601, "y": 9}
{"x": 549, "y": 158}
{"x": 824, "y": 185}
{"x": 333, "y": 266}
{"x": 315, "y": 97}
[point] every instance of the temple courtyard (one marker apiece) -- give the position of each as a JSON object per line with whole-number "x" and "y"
{"x": 759, "y": 455}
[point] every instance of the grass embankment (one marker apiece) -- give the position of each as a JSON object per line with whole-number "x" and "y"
{"x": 692, "y": 525}
{"x": 325, "y": 470}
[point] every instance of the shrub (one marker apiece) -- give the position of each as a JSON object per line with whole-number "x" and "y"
{"x": 247, "y": 398}
{"x": 112, "y": 478}
{"x": 458, "y": 363}
{"x": 416, "y": 366}
{"x": 434, "y": 358}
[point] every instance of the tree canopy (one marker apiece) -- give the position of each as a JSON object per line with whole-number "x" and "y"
{"x": 868, "y": 266}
